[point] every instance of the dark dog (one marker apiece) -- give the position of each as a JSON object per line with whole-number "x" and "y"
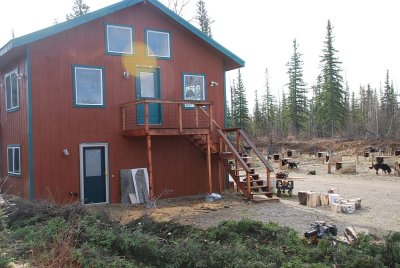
{"x": 385, "y": 168}
{"x": 292, "y": 165}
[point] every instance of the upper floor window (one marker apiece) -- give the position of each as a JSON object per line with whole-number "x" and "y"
{"x": 193, "y": 88}
{"x": 119, "y": 39}
{"x": 158, "y": 44}
{"x": 12, "y": 90}
{"x": 14, "y": 160}
{"x": 88, "y": 86}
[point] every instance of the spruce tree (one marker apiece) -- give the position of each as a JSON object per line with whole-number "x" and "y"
{"x": 388, "y": 107}
{"x": 242, "y": 109}
{"x": 257, "y": 118}
{"x": 268, "y": 108}
{"x": 297, "y": 100}
{"x": 332, "y": 95}
{"x": 78, "y": 9}
{"x": 203, "y": 19}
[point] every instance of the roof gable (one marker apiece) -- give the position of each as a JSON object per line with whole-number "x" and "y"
{"x": 52, "y": 30}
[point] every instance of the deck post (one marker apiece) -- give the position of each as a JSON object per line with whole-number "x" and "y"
{"x": 150, "y": 166}
{"x": 248, "y": 183}
{"x": 180, "y": 117}
{"x": 146, "y": 116}
{"x": 196, "y": 112}
{"x": 209, "y": 164}
{"x": 237, "y": 140}
{"x": 268, "y": 180}
{"x": 211, "y": 117}
{"x": 123, "y": 118}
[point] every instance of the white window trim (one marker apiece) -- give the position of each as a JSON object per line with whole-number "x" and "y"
{"x": 14, "y": 148}
{"x": 130, "y": 39}
{"x": 148, "y": 47}
{"x": 5, "y": 87}
{"x": 204, "y": 87}
{"x": 76, "y": 86}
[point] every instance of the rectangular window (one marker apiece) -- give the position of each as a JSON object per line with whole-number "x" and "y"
{"x": 193, "y": 88}
{"x": 12, "y": 90}
{"x": 14, "y": 159}
{"x": 158, "y": 44}
{"x": 88, "y": 86}
{"x": 119, "y": 39}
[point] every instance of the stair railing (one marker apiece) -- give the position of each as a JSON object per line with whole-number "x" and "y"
{"x": 227, "y": 146}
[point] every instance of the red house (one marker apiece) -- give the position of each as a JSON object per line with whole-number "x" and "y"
{"x": 131, "y": 85}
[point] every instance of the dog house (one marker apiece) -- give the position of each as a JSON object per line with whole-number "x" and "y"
{"x": 397, "y": 152}
{"x": 349, "y": 167}
{"x": 293, "y": 153}
{"x": 386, "y": 159}
{"x": 370, "y": 156}
{"x": 333, "y": 159}
{"x": 276, "y": 158}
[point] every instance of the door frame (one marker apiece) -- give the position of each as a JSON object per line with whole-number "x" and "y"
{"x": 157, "y": 72}
{"x": 106, "y": 171}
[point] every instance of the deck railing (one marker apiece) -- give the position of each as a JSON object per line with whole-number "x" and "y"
{"x": 178, "y": 115}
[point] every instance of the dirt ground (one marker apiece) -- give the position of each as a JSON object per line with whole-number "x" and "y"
{"x": 380, "y": 195}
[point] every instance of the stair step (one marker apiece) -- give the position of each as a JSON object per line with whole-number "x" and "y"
{"x": 261, "y": 193}
{"x": 257, "y": 187}
{"x": 251, "y": 175}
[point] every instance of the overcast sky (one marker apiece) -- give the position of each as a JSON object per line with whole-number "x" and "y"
{"x": 261, "y": 32}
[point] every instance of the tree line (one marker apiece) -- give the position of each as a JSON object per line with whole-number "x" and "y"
{"x": 324, "y": 109}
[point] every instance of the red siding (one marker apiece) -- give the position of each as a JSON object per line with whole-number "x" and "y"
{"x": 13, "y": 130}
{"x": 178, "y": 165}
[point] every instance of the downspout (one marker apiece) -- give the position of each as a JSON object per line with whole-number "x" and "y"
{"x": 30, "y": 134}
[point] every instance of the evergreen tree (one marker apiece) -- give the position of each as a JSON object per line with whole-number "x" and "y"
{"x": 203, "y": 19}
{"x": 297, "y": 100}
{"x": 232, "y": 122}
{"x": 388, "y": 107}
{"x": 257, "y": 118}
{"x": 241, "y": 115}
{"x": 78, "y": 9}
{"x": 283, "y": 117}
{"x": 332, "y": 95}
{"x": 268, "y": 109}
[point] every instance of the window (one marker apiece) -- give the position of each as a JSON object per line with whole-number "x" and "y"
{"x": 12, "y": 91}
{"x": 193, "y": 88}
{"x": 14, "y": 159}
{"x": 88, "y": 86}
{"x": 158, "y": 44}
{"x": 119, "y": 39}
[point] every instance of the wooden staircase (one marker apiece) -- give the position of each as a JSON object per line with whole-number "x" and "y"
{"x": 240, "y": 164}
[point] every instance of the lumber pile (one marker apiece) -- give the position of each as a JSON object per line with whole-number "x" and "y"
{"x": 332, "y": 198}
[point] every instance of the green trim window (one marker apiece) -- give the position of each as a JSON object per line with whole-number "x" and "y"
{"x": 194, "y": 87}
{"x": 119, "y": 39}
{"x": 158, "y": 44}
{"x": 88, "y": 86}
{"x": 14, "y": 160}
{"x": 12, "y": 90}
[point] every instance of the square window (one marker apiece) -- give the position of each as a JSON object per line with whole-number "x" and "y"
{"x": 14, "y": 160}
{"x": 12, "y": 91}
{"x": 119, "y": 39}
{"x": 88, "y": 87}
{"x": 158, "y": 44}
{"x": 193, "y": 88}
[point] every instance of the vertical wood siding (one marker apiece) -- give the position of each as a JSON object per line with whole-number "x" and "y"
{"x": 178, "y": 165}
{"x": 13, "y": 130}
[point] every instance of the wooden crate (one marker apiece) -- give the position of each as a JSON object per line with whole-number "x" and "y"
{"x": 349, "y": 167}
